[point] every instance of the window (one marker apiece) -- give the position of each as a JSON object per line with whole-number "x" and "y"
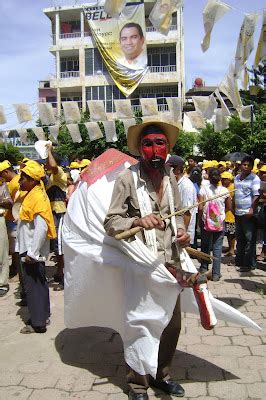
{"x": 94, "y": 63}
{"x": 106, "y": 93}
{"x": 161, "y": 56}
{"x": 69, "y": 64}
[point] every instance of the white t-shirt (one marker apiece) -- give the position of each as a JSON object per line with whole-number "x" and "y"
{"x": 188, "y": 197}
{"x": 207, "y": 192}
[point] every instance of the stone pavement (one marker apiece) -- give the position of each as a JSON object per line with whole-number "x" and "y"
{"x": 87, "y": 363}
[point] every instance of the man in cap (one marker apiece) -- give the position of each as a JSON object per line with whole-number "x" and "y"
{"x": 35, "y": 229}
{"x": 188, "y": 194}
{"x": 5, "y": 203}
{"x": 141, "y": 196}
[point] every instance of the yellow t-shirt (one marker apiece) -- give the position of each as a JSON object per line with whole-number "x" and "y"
{"x": 229, "y": 216}
{"x": 56, "y": 191}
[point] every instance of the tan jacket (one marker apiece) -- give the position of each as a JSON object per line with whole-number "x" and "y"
{"x": 124, "y": 209}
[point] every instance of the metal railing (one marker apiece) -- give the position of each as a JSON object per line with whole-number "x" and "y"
{"x": 70, "y": 35}
{"x": 152, "y": 29}
{"x": 69, "y": 74}
{"x": 162, "y": 68}
{"x": 161, "y": 107}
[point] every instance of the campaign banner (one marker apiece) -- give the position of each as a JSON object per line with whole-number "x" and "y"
{"x": 121, "y": 43}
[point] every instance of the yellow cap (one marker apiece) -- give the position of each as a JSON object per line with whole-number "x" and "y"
{"x": 4, "y": 165}
{"x": 223, "y": 163}
{"x": 74, "y": 165}
{"x": 207, "y": 164}
{"x": 214, "y": 163}
{"x": 263, "y": 168}
{"x": 34, "y": 170}
{"x": 84, "y": 163}
{"x": 227, "y": 175}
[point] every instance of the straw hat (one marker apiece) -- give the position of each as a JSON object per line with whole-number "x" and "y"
{"x": 135, "y": 131}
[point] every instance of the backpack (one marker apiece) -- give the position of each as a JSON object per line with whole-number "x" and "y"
{"x": 213, "y": 219}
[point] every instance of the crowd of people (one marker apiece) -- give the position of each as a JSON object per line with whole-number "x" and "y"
{"x": 219, "y": 198}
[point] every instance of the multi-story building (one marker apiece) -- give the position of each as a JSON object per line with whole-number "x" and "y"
{"x": 81, "y": 74}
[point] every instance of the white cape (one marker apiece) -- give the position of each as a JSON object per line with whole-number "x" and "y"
{"x": 121, "y": 285}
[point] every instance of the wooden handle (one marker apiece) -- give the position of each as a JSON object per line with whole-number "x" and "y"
{"x": 128, "y": 234}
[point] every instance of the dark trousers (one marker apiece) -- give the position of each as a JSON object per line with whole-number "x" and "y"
{"x": 37, "y": 293}
{"x": 246, "y": 234}
{"x": 168, "y": 342}
{"x": 212, "y": 241}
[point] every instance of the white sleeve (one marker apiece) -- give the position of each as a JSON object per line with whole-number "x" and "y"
{"x": 40, "y": 234}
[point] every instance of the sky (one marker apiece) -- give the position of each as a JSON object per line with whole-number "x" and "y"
{"x": 25, "y": 37}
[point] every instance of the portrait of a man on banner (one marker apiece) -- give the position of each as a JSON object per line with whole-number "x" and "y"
{"x": 121, "y": 43}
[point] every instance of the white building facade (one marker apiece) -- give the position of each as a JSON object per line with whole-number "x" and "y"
{"x": 81, "y": 74}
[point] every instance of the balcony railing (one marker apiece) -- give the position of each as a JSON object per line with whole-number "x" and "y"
{"x": 161, "y": 107}
{"x": 162, "y": 68}
{"x": 69, "y": 74}
{"x": 152, "y": 29}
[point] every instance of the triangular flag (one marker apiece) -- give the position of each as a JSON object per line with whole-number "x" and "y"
{"x": 97, "y": 110}
{"x": 39, "y": 132}
{"x": 123, "y": 109}
{"x": 187, "y": 125}
{"x": 149, "y": 107}
{"x": 224, "y": 107}
{"x": 23, "y": 134}
{"x": 71, "y": 112}
{"x": 245, "y": 43}
{"x": 230, "y": 88}
{"x": 94, "y": 130}
{"x": 2, "y": 115}
{"x": 114, "y": 7}
{"x": 196, "y": 119}
{"x": 23, "y": 112}
{"x": 213, "y": 11}
{"x": 201, "y": 103}
{"x": 221, "y": 121}
{"x": 110, "y": 131}
{"x": 161, "y": 14}
{"x": 46, "y": 113}
{"x": 54, "y": 132}
{"x": 74, "y": 133}
{"x": 244, "y": 113}
{"x": 175, "y": 108}
{"x": 261, "y": 49}
{"x": 127, "y": 123}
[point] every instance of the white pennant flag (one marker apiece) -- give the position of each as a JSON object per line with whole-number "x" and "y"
{"x": 71, "y": 112}
{"x": 230, "y": 88}
{"x": 261, "y": 49}
{"x": 220, "y": 121}
{"x": 2, "y": 115}
{"x": 212, "y": 106}
{"x": 224, "y": 107}
{"x": 110, "y": 131}
{"x": 213, "y": 11}
{"x": 97, "y": 110}
{"x": 175, "y": 108}
{"x": 196, "y": 119}
{"x": 74, "y": 133}
{"x": 94, "y": 131}
{"x": 54, "y": 132}
{"x": 23, "y": 134}
{"x": 127, "y": 123}
{"x": 46, "y": 113}
{"x": 23, "y": 112}
{"x": 245, "y": 43}
{"x": 39, "y": 132}
{"x": 114, "y": 7}
{"x": 201, "y": 103}
{"x": 123, "y": 109}
{"x": 187, "y": 125}
{"x": 244, "y": 113}
{"x": 161, "y": 14}
{"x": 149, "y": 107}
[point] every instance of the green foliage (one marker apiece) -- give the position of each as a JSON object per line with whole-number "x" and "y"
{"x": 215, "y": 145}
{"x": 10, "y": 153}
{"x": 185, "y": 144}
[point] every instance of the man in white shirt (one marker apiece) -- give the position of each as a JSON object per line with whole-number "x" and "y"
{"x": 188, "y": 195}
{"x": 131, "y": 42}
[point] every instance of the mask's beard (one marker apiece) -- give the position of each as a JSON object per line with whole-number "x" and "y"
{"x": 156, "y": 162}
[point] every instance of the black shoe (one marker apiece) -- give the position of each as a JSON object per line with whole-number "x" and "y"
{"x": 4, "y": 290}
{"x": 170, "y": 387}
{"x": 137, "y": 396}
{"x": 216, "y": 277}
{"x": 244, "y": 269}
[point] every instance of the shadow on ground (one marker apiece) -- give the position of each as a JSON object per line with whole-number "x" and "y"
{"x": 251, "y": 286}
{"x": 235, "y": 302}
{"x": 100, "y": 351}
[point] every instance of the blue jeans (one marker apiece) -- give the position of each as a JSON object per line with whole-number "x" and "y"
{"x": 246, "y": 232}
{"x": 212, "y": 241}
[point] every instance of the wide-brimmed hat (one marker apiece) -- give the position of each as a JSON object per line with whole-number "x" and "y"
{"x": 135, "y": 131}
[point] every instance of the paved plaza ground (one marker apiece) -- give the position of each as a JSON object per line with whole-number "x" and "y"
{"x": 225, "y": 363}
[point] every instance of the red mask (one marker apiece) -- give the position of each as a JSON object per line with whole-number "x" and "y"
{"x": 154, "y": 146}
